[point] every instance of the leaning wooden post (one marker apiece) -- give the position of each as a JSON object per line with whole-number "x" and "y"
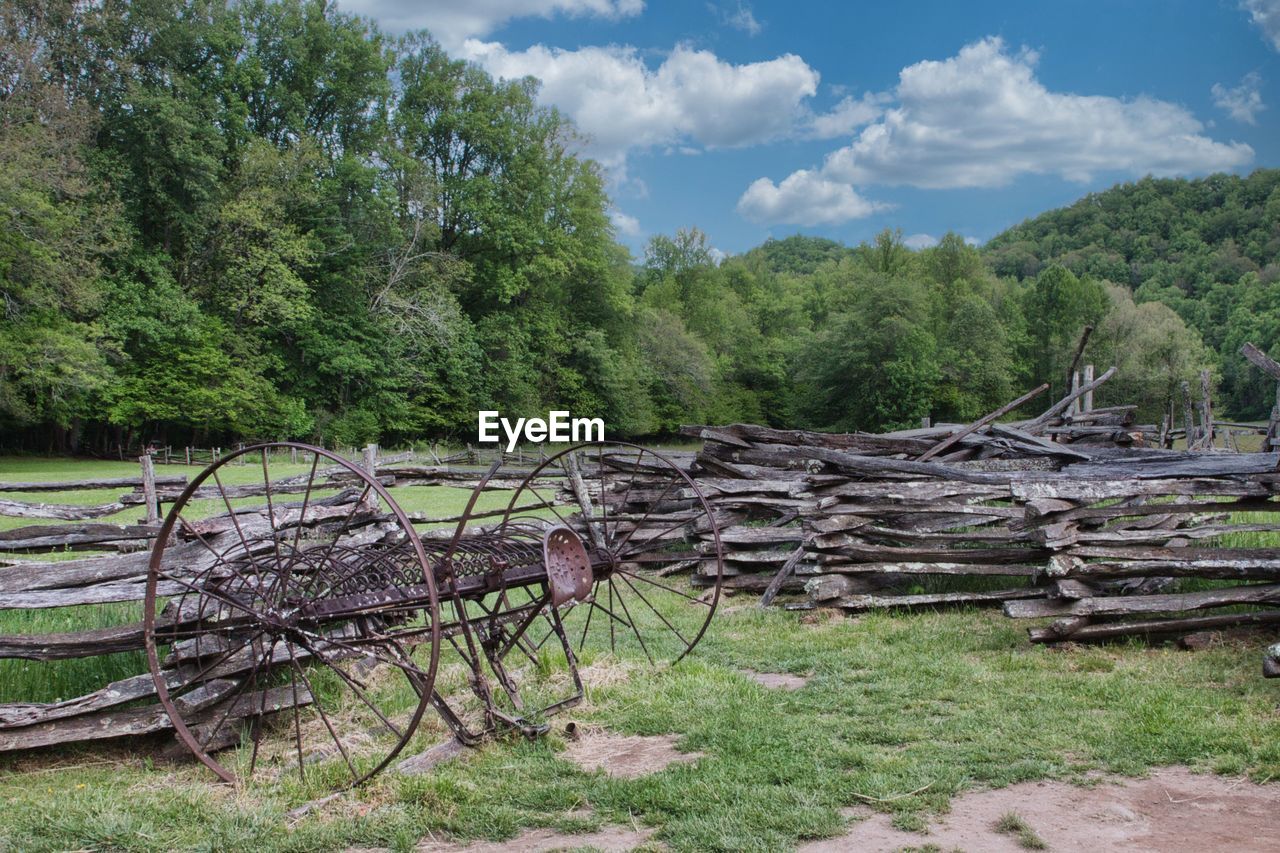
{"x": 1269, "y": 366}
{"x": 370, "y": 465}
{"x": 149, "y": 488}
{"x": 979, "y": 424}
{"x": 1075, "y": 359}
{"x": 1206, "y": 411}
{"x": 1187, "y": 417}
{"x": 1088, "y": 395}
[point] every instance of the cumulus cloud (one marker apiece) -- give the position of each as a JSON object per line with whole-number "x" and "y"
{"x": 619, "y": 103}
{"x": 982, "y": 119}
{"x": 920, "y": 241}
{"x": 1265, "y": 15}
{"x": 804, "y": 198}
{"x": 847, "y": 116}
{"x": 451, "y": 21}
{"x": 1242, "y": 102}
{"x": 624, "y": 224}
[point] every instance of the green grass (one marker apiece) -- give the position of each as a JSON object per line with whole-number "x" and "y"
{"x": 933, "y": 703}
{"x": 1011, "y": 823}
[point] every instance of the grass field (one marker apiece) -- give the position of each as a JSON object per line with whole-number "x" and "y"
{"x": 901, "y": 712}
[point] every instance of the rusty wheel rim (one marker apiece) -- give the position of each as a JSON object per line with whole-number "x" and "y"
{"x": 630, "y": 543}
{"x": 260, "y": 599}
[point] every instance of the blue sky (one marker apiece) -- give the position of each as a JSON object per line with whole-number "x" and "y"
{"x": 751, "y": 120}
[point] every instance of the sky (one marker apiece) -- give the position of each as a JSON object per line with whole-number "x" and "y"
{"x": 751, "y": 120}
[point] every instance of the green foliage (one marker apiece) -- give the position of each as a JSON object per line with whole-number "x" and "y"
{"x": 1208, "y": 248}
{"x": 265, "y": 219}
{"x": 875, "y": 365}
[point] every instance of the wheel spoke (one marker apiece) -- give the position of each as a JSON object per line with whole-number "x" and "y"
{"x": 547, "y": 503}
{"x": 634, "y": 629}
{"x": 315, "y": 698}
{"x": 306, "y": 499}
{"x": 357, "y": 689}
{"x": 591, "y": 611}
{"x": 271, "y": 512}
{"x": 648, "y": 512}
{"x": 652, "y": 582}
{"x": 231, "y": 701}
{"x": 604, "y": 504}
{"x": 297, "y": 714}
{"x": 673, "y": 628}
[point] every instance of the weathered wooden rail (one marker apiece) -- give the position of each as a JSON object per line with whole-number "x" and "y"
{"x": 1079, "y": 515}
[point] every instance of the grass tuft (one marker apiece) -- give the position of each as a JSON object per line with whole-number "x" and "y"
{"x": 1012, "y": 823}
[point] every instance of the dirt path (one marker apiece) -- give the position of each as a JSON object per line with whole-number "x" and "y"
{"x": 1172, "y": 811}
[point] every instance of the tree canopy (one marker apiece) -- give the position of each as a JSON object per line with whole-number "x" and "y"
{"x": 266, "y": 219}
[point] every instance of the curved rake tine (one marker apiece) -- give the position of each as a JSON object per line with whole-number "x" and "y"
{"x": 297, "y": 715}
{"x": 256, "y": 726}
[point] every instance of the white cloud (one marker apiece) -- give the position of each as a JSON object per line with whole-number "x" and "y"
{"x": 803, "y": 198}
{"x": 627, "y": 226}
{"x": 1265, "y": 15}
{"x": 741, "y": 18}
{"x": 920, "y": 241}
{"x": 619, "y": 103}
{"x": 452, "y": 21}
{"x": 847, "y": 116}
{"x": 1242, "y": 102}
{"x": 982, "y": 119}
{"x": 717, "y": 256}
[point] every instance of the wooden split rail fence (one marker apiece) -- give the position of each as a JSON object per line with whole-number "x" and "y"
{"x": 1078, "y": 514}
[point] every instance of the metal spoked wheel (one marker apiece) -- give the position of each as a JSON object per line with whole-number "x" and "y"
{"x": 274, "y": 622}
{"x": 653, "y": 539}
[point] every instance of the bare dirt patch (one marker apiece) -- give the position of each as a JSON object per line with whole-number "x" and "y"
{"x": 1173, "y": 810}
{"x": 777, "y": 680}
{"x": 626, "y": 756}
{"x": 609, "y": 839}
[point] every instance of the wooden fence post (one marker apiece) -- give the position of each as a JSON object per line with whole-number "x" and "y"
{"x": 1206, "y": 412}
{"x": 149, "y": 488}
{"x": 1187, "y": 416}
{"x": 1088, "y": 395}
{"x": 370, "y": 465}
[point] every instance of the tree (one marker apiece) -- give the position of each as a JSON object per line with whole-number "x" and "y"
{"x": 1058, "y": 307}
{"x": 875, "y": 366}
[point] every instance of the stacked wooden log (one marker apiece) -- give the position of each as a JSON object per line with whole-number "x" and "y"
{"x": 1049, "y": 517}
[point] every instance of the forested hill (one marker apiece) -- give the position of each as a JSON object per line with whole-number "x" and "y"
{"x": 266, "y": 219}
{"x": 1208, "y": 248}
